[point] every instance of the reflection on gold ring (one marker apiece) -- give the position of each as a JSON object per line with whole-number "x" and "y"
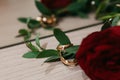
{"x": 61, "y": 49}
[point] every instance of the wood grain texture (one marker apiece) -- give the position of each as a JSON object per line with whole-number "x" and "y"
{"x": 10, "y": 10}
{"x": 14, "y": 67}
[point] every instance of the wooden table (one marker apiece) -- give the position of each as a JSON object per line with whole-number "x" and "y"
{"x": 10, "y": 10}
{"x": 14, "y": 67}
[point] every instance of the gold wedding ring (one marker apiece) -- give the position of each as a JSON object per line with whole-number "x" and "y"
{"x": 61, "y": 49}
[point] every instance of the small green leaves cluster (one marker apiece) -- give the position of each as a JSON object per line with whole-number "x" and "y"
{"x": 32, "y": 24}
{"x": 108, "y": 8}
{"x": 37, "y": 51}
{"x": 25, "y": 33}
{"x": 111, "y": 22}
{"x": 42, "y": 9}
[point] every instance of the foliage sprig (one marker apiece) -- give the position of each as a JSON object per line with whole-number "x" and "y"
{"x": 104, "y": 10}
{"x": 37, "y": 51}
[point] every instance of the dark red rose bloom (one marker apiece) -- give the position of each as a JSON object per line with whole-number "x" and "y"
{"x": 56, "y": 4}
{"x": 99, "y": 54}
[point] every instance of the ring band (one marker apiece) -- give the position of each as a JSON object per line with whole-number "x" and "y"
{"x": 62, "y": 48}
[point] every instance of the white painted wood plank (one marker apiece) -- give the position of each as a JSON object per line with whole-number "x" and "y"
{"x": 14, "y": 67}
{"x": 10, "y": 10}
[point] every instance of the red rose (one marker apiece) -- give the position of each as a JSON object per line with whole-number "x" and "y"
{"x": 56, "y": 4}
{"x": 99, "y": 55}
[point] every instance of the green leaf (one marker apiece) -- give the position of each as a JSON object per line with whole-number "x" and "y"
{"x": 102, "y": 7}
{"x": 32, "y": 47}
{"x": 105, "y": 17}
{"x": 82, "y": 15}
{"x": 69, "y": 54}
{"x": 106, "y": 25}
{"x": 49, "y": 27}
{"x": 31, "y": 54}
{"x": 52, "y": 59}
{"x": 25, "y": 33}
{"x": 47, "y": 53}
{"x": 109, "y": 23}
{"x": 76, "y": 6}
{"x": 33, "y": 24}
{"x": 115, "y": 21}
{"x": 22, "y": 19}
{"x": 42, "y": 8}
{"x": 61, "y": 37}
{"x": 108, "y": 7}
{"x": 73, "y": 7}
{"x": 72, "y": 49}
{"x": 57, "y": 58}
{"x": 111, "y": 15}
{"x": 37, "y": 41}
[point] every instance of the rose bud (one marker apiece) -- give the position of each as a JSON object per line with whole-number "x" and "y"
{"x": 99, "y": 54}
{"x": 56, "y": 4}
